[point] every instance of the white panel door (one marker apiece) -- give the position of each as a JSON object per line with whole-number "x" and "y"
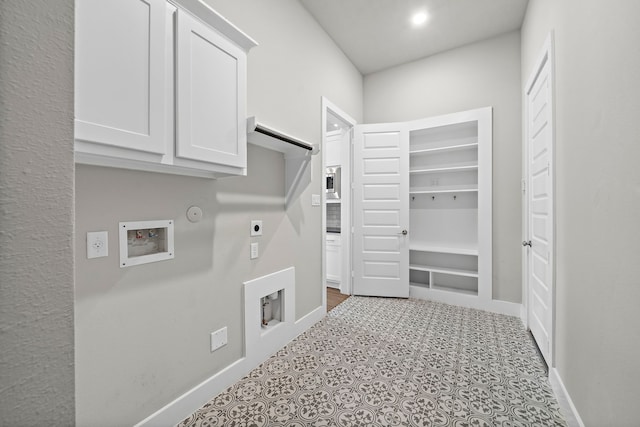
{"x": 211, "y": 72}
{"x": 381, "y": 210}
{"x": 540, "y": 211}
{"x": 120, "y": 73}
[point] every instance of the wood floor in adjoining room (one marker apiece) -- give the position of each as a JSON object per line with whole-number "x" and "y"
{"x": 334, "y": 297}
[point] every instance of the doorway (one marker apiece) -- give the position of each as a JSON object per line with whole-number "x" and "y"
{"x": 538, "y": 200}
{"x": 336, "y": 198}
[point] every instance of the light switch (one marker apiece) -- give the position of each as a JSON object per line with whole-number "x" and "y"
{"x": 97, "y": 244}
{"x": 315, "y": 200}
{"x": 254, "y": 250}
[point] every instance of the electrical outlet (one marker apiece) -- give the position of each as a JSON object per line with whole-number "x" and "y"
{"x": 97, "y": 244}
{"x": 256, "y": 227}
{"x": 254, "y": 250}
{"x": 218, "y": 339}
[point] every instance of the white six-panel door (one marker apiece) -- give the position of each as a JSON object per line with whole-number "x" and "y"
{"x": 539, "y": 213}
{"x": 381, "y": 210}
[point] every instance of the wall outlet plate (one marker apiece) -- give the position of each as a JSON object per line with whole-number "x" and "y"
{"x": 256, "y": 227}
{"x": 218, "y": 339}
{"x": 97, "y": 244}
{"x": 254, "y": 250}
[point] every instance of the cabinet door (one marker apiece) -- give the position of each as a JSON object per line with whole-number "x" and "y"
{"x": 333, "y": 148}
{"x": 120, "y": 73}
{"x": 333, "y": 261}
{"x": 210, "y": 95}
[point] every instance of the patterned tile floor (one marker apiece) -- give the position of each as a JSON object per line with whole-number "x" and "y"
{"x": 394, "y": 362}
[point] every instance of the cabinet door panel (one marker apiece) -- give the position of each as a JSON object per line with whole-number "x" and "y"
{"x": 120, "y": 73}
{"x": 210, "y": 95}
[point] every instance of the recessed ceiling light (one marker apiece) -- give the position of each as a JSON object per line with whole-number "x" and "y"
{"x": 419, "y": 18}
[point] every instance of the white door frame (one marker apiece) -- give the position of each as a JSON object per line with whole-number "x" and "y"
{"x": 546, "y": 55}
{"x": 346, "y": 282}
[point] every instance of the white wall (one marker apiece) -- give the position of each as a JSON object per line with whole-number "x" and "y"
{"x": 36, "y": 213}
{"x": 597, "y": 199}
{"x": 143, "y": 332}
{"x": 473, "y": 76}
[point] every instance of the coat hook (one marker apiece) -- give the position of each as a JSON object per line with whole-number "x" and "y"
{"x": 433, "y": 197}
{"x": 413, "y": 197}
{"x": 454, "y": 197}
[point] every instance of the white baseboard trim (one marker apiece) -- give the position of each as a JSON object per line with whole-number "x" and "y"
{"x": 464, "y": 300}
{"x": 568, "y": 409}
{"x": 309, "y": 319}
{"x": 185, "y": 405}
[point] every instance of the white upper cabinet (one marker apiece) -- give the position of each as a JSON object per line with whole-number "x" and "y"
{"x": 211, "y": 122}
{"x": 333, "y": 148}
{"x": 160, "y": 86}
{"x": 120, "y": 73}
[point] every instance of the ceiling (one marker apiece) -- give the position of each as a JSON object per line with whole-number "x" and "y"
{"x": 378, "y": 34}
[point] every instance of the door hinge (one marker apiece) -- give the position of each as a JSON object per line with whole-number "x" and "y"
{"x": 548, "y": 168}
{"x": 524, "y": 186}
{"x": 352, "y": 133}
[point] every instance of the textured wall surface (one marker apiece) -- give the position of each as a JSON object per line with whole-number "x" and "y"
{"x": 36, "y": 213}
{"x": 597, "y": 199}
{"x": 482, "y": 74}
{"x": 142, "y": 333}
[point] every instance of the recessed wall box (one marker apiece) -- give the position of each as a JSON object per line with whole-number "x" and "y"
{"x": 142, "y": 242}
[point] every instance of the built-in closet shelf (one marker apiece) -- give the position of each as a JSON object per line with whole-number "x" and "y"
{"x": 444, "y": 270}
{"x": 443, "y": 189}
{"x": 445, "y": 148}
{"x": 443, "y": 289}
{"x": 455, "y": 168}
{"x": 450, "y": 249}
{"x": 337, "y": 201}
{"x": 455, "y": 290}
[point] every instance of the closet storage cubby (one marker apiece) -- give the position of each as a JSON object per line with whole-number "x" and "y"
{"x": 450, "y": 205}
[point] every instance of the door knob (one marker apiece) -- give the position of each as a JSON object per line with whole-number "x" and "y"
{"x": 404, "y": 232}
{"x": 526, "y": 243}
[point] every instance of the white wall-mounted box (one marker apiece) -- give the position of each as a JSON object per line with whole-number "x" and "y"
{"x": 142, "y": 242}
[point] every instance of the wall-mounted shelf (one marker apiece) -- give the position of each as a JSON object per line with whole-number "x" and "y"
{"x": 268, "y": 137}
{"x": 297, "y": 152}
